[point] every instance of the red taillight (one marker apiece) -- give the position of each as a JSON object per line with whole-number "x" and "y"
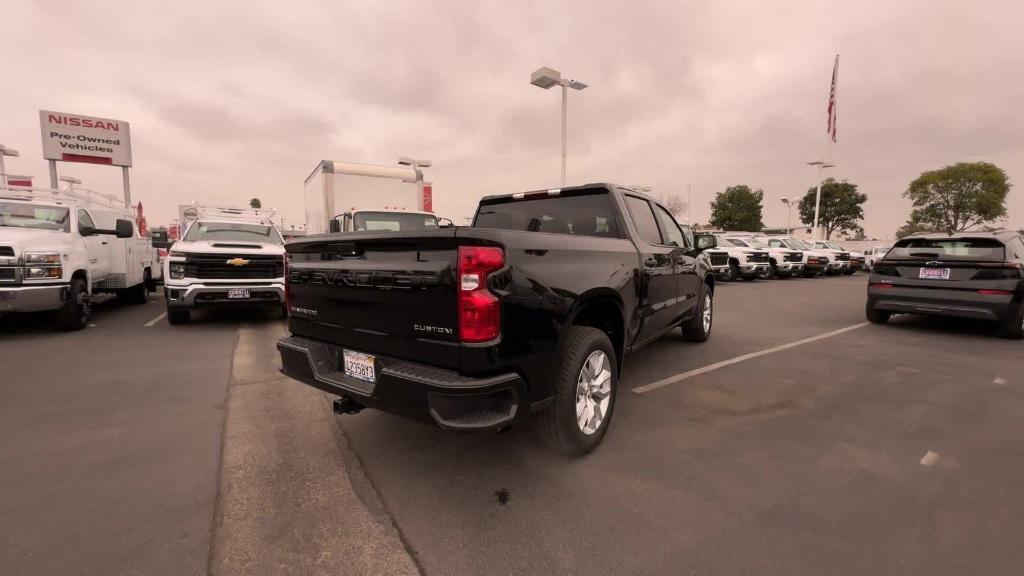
{"x": 479, "y": 310}
{"x": 995, "y": 292}
{"x": 880, "y": 285}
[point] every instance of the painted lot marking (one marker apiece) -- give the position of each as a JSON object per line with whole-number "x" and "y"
{"x": 712, "y": 367}
{"x": 155, "y": 320}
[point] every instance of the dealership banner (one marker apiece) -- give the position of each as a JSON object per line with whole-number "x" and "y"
{"x": 77, "y": 138}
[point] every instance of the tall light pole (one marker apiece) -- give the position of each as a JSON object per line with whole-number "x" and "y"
{"x": 546, "y": 78}
{"x": 817, "y": 195}
{"x": 789, "y": 215}
{"x": 5, "y": 151}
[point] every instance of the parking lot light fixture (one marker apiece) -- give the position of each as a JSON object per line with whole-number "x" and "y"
{"x": 546, "y": 78}
{"x": 5, "y": 151}
{"x": 817, "y": 195}
{"x": 71, "y": 181}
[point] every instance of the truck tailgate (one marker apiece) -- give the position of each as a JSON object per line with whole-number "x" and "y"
{"x": 388, "y": 293}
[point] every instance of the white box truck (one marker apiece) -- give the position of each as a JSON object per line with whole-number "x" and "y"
{"x": 348, "y": 196}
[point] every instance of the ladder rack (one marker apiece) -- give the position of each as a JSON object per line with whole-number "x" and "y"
{"x": 77, "y": 196}
{"x": 261, "y": 215}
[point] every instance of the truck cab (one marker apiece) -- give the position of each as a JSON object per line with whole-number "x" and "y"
{"x": 386, "y": 220}
{"x": 61, "y": 248}
{"x": 227, "y": 258}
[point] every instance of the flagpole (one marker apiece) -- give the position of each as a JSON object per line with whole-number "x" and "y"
{"x": 822, "y": 164}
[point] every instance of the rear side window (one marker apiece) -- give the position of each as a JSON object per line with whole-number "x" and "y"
{"x": 578, "y": 215}
{"x": 640, "y": 211}
{"x": 674, "y": 236}
{"x": 949, "y": 249}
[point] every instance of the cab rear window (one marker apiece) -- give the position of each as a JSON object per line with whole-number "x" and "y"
{"x": 949, "y": 249}
{"x": 578, "y": 215}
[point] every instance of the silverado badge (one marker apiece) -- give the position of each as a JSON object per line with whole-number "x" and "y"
{"x": 237, "y": 262}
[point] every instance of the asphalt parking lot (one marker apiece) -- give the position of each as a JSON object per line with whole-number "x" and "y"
{"x": 798, "y": 440}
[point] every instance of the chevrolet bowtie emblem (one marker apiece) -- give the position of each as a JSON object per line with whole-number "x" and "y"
{"x": 237, "y": 262}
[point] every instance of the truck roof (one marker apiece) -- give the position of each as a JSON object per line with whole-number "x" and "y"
{"x": 357, "y": 169}
{"x": 557, "y": 191}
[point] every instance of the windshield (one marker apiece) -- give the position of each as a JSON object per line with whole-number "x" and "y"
{"x": 797, "y": 244}
{"x": 949, "y": 249}
{"x": 18, "y": 215}
{"x": 232, "y": 232}
{"x": 394, "y": 221}
{"x": 734, "y": 242}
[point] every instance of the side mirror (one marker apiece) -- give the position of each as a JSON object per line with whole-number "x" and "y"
{"x": 123, "y": 229}
{"x": 705, "y": 241}
{"x": 444, "y": 223}
{"x": 335, "y": 225}
{"x": 86, "y": 230}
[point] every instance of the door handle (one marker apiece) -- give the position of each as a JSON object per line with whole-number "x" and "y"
{"x": 104, "y": 243}
{"x": 651, "y": 262}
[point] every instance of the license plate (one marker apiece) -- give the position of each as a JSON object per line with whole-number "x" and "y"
{"x": 238, "y": 293}
{"x": 359, "y": 365}
{"x": 934, "y": 274}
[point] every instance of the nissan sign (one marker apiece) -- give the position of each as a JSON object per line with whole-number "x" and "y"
{"x": 77, "y": 138}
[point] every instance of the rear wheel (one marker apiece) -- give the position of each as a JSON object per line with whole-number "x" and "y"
{"x": 698, "y": 328}
{"x": 876, "y": 316}
{"x": 138, "y": 294}
{"x": 1013, "y": 325}
{"x": 585, "y": 389}
{"x": 177, "y": 316}
{"x": 74, "y": 314}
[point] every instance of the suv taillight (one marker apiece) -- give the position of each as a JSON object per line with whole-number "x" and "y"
{"x": 479, "y": 310}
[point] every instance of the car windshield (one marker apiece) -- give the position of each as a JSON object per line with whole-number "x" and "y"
{"x": 18, "y": 215}
{"x": 233, "y": 232}
{"x": 737, "y": 242}
{"x": 394, "y": 221}
{"x": 949, "y": 249}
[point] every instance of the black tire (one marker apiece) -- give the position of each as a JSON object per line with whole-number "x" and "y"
{"x": 1012, "y": 327}
{"x": 876, "y": 316}
{"x": 283, "y": 311}
{"x": 773, "y": 272}
{"x": 848, "y": 272}
{"x": 139, "y": 294}
{"x": 75, "y": 313}
{"x": 749, "y": 278}
{"x": 556, "y": 423}
{"x": 734, "y": 272}
{"x": 694, "y": 329}
{"x": 176, "y": 316}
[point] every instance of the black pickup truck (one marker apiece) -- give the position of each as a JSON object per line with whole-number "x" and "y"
{"x": 530, "y": 310}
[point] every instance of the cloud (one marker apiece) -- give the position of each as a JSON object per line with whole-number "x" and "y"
{"x": 233, "y": 100}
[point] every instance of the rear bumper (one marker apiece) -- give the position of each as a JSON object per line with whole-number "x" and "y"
{"x": 939, "y": 302}
{"x": 32, "y": 298}
{"x": 451, "y": 400}
{"x": 215, "y": 295}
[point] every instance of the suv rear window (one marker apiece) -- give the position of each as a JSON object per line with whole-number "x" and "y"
{"x": 578, "y": 215}
{"x": 949, "y": 249}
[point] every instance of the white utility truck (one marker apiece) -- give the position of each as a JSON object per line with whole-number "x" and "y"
{"x": 60, "y": 248}
{"x": 352, "y": 197}
{"x": 227, "y": 257}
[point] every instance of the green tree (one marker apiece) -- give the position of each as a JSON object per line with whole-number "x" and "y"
{"x": 910, "y": 227}
{"x": 959, "y": 196}
{"x": 255, "y": 203}
{"x": 841, "y": 207}
{"x": 858, "y": 233}
{"x": 737, "y": 208}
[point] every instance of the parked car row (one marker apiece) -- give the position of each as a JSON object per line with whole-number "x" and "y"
{"x": 750, "y": 255}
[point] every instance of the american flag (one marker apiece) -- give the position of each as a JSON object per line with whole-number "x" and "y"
{"x": 833, "y": 109}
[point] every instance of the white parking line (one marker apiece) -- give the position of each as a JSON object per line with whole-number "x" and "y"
{"x": 711, "y": 367}
{"x": 155, "y": 320}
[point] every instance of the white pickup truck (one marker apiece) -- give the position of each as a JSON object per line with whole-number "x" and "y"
{"x": 731, "y": 260}
{"x": 850, "y": 261}
{"x": 60, "y": 248}
{"x": 815, "y": 262}
{"x": 227, "y": 257}
{"x": 782, "y": 262}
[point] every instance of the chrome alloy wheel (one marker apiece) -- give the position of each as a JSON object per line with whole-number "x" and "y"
{"x": 593, "y": 392}
{"x": 707, "y": 313}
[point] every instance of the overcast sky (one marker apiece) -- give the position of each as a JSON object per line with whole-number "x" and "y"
{"x": 227, "y": 103}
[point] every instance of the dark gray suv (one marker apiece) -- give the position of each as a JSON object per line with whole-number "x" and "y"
{"x": 969, "y": 275}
